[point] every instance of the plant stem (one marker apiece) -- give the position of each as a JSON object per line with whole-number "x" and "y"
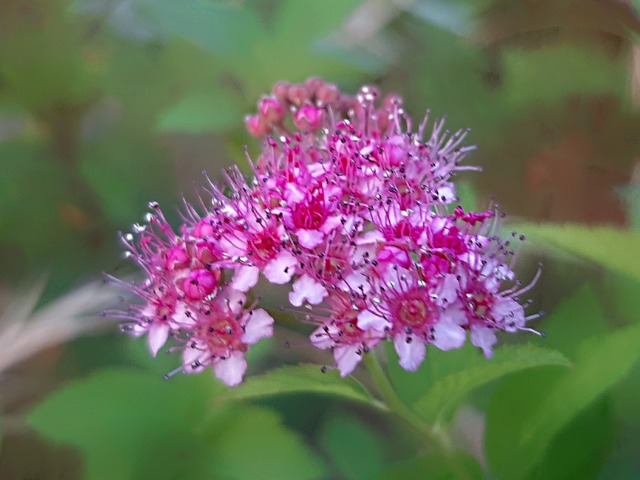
{"x": 436, "y": 436}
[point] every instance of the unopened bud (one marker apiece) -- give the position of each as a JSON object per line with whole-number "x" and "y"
{"x": 271, "y": 110}
{"x": 328, "y": 94}
{"x": 256, "y": 126}
{"x": 298, "y": 95}
{"x": 309, "y": 118}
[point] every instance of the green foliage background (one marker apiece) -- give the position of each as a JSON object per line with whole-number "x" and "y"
{"x": 108, "y": 104}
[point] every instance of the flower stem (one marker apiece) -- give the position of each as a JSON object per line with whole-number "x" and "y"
{"x": 437, "y": 437}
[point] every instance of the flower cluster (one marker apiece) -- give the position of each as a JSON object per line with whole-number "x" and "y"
{"x": 353, "y": 209}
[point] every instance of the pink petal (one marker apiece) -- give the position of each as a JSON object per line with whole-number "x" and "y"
{"x": 307, "y": 289}
{"x": 158, "y": 334}
{"x": 245, "y": 277}
{"x": 309, "y": 238}
{"x": 231, "y": 370}
{"x": 411, "y": 353}
{"x": 347, "y": 358}
{"x": 281, "y": 268}
{"x": 259, "y": 325}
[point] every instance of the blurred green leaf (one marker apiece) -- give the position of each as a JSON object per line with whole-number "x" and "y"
{"x": 548, "y": 75}
{"x": 630, "y": 195}
{"x": 528, "y": 411}
{"x": 215, "y": 111}
{"x": 430, "y": 467}
{"x": 133, "y": 425}
{"x": 223, "y": 27}
{"x": 354, "y": 448}
{"x": 447, "y": 393}
{"x": 299, "y": 379}
{"x": 581, "y": 448}
{"x": 257, "y": 445}
{"x": 610, "y": 247}
{"x": 128, "y": 422}
{"x": 438, "y": 364}
{"x": 304, "y": 20}
{"x": 580, "y": 316}
{"x": 453, "y": 16}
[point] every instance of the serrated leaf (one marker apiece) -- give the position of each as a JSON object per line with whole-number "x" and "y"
{"x": 353, "y": 447}
{"x": 201, "y": 113}
{"x": 448, "y": 392}
{"x": 613, "y": 248}
{"x": 258, "y": 445}
{"x": 299, "y": 379}
{"x": 528, "y": 411}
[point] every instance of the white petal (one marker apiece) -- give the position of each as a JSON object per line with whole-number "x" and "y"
{"x": 231, "y": 370}
{"x": 307, "y": 289}
{"x": 158, "y": 334}
{"x": 309, "y": 238}
{"x": 245, "y": 277}
{"x": 347, "y": 358}
{"x": 448, "y": 293}
{"x": 448, "y": 335}
{"x": 484, "y": 338}
{"x": 191, "y": 356}
{"x": 323, "y": 339}
{"x": 411, "y": 353}
{"x": 281, "y": 268}
{"x": 369, "y": 320}
{"x": 259, "y": 325}
{"x": 508, "y": 313}
{"x": 232, "y": 298}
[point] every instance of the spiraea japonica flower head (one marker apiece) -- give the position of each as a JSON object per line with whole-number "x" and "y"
{"x": 356, "y": 211}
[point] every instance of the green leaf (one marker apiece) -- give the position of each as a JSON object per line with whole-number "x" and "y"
{"x": 578, "y": 317}
{"x": 222, "y": 27}
{"x": 257, "y": 445}
{"x": 302, "y": 20}
{"x": 355, "y": 449}
{"x": 546, "y": 76}
{"x": 630, "y": 195}
{"x": 430, "y": 467}
{"x": 131, "y": 424}
{"x": 202, "y": 113}
{"x": 127, "y": 422}
{"x": 529, "y": 410}
{"x": 455, "y": 17}
{"x": 610, "y": 247}
{"x": 580, "y": 449}
{"x": 299, "y": 379}
{"x": 447, "y": 393}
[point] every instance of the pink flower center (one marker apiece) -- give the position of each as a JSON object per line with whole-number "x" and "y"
{"x": 223, "y": 333}
{"x": 414, "y": 309}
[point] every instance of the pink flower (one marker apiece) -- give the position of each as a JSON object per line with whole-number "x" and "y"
{"x": 341, "y": 333}
{"x": 352, "y": 208}
{"x": 222, "y": 333}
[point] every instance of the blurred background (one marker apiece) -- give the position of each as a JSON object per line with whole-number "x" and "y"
{"x": 106, "y": 105}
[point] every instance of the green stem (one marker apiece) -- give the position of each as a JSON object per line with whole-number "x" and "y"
{"x": 436, "y": 436}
